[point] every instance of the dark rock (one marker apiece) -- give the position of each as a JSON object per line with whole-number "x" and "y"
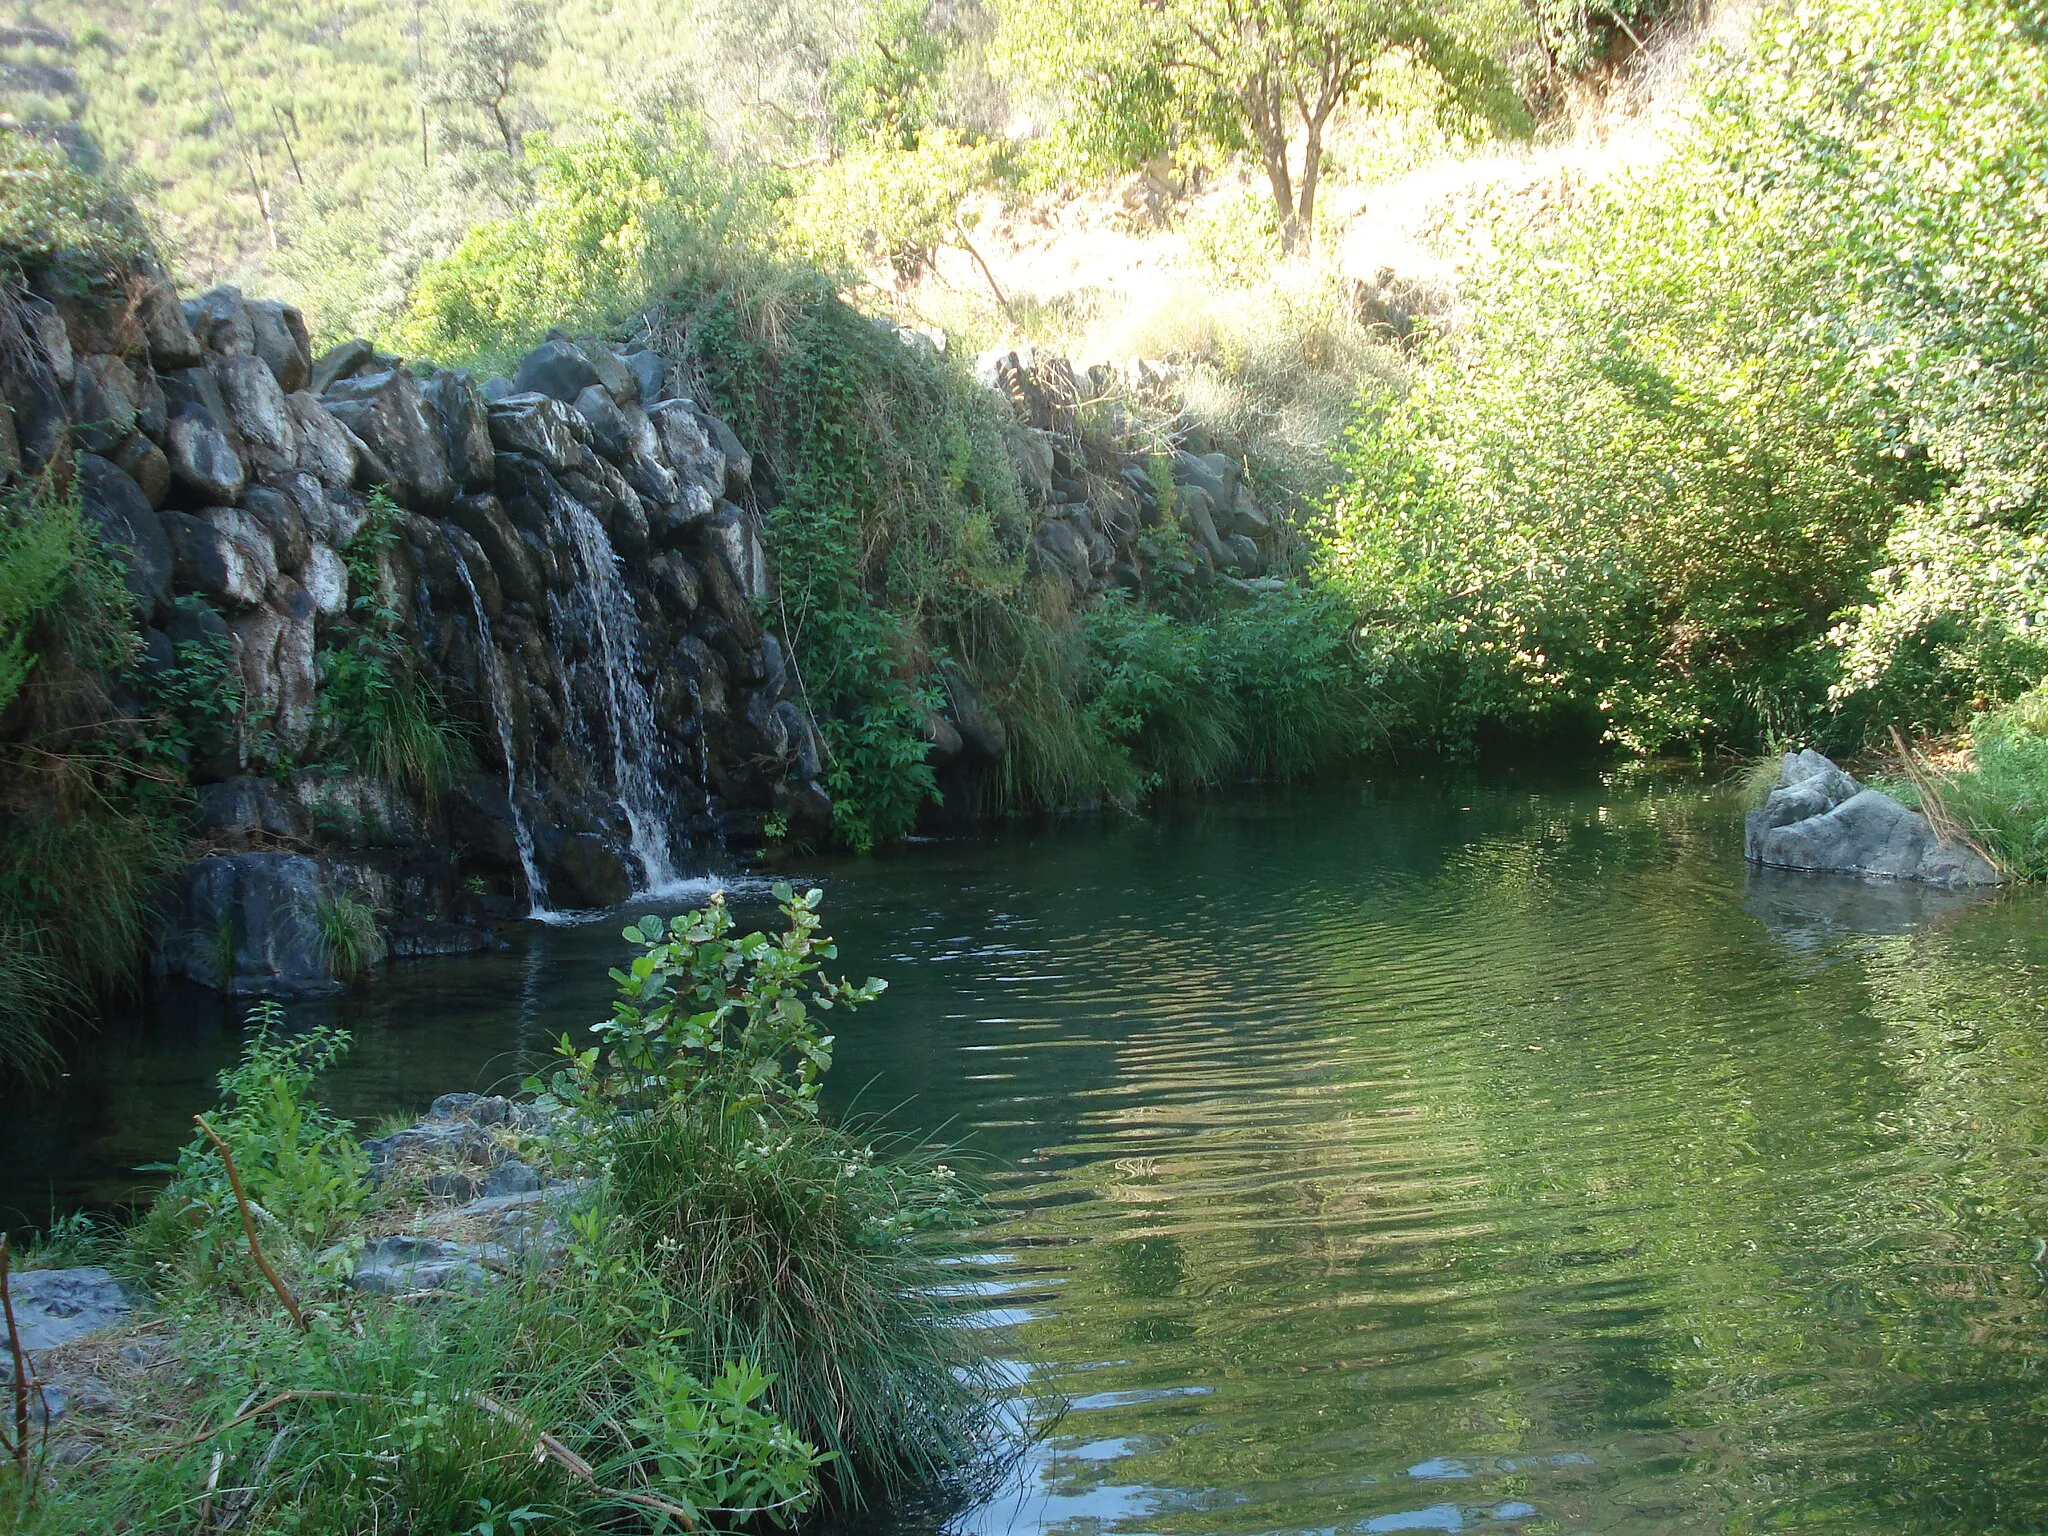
{"x": 1821, "y": 819}
{"x": 981, "y": 733}
{"x": 511, "y": 1177}
{"x": 805, "y": 809}
{"x": 465, "y": 427}
{"x": 774, "y": 667}
{"x": 1244, "y": 555}
{"x": 283, "y": 343}
{"x": 803, "y": 735}
{"x": 46, "y": 325}
{"x": 650, "y": 371}
{"x": 400, "y": 1265}
{"x": 479, "y": 822}
{"x": 103, "y": 391}
{"x": 581, "y": 869}
{"x": 388, "y": 414}
{"x": 484, "y": 520}
{"x": 208, "y": 562}
{"x": 10, "y": 443}
{"x": 41, "y": 408}
{"x": 152, "y": 406}
{"x": 220, "y": 319}
{"x": 739, "y": 464}
{"x": 203, "y": 464}
{"x": 285, "y": 525}
{"x": 539, "y": 427}
{"x": 165, "y": 330}
{"x": 341, "y": 362}
{"x": 144, "y": 463}
{"x": 942, "y": 741}
{"x": 564, "y": 370}
{"x": 675, "y": 584}
{"x": 481, "y": 573}
{"x": 242, "y": 809}
{"x": 256, "y": 908}
{"x": 126, "y": 523}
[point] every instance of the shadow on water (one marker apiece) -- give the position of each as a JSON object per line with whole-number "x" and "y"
{"x": 1439, "y": 1156}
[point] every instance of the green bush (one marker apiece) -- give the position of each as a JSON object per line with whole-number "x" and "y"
{"x": 2001, "y": 799}
{"x": 776, "y": 1237}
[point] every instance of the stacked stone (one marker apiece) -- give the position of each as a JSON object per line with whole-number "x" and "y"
{"x": 230, "y": 471}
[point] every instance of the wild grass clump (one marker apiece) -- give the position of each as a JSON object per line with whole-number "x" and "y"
{"x": 2001, "y": 800}
{"x": 348, "y": 933}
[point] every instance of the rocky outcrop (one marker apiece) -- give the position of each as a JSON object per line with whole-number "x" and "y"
{"x": 1819, "y": 818}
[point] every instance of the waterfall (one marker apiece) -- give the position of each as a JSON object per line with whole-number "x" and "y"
{"x": 629, "y": 713}
{"x": 501, "y": 709}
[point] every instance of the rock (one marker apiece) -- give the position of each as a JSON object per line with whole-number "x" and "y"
{"x": 283, "y": 522}
{"x": 539, "y": 427}
{"x": 326, "y": 449}
{"x": 676, "y": 585}
{"x": 942, "y": 742}
{"x": 392, "y": 1266}
{"x": 240, "y": 810}
{"x": 981, "y": 733}
{"x": 484, "y": 520}
{"x": 165, "y": 330}
{"x": 252, "y": 542}
{"x": 739, "y": 464}
{"x": 126, "y": 523}
{"x": 805, "y": 809}
{"x": 207, "y": 561}
{"x": 357, "y": 811}
{"x": 731, "y": 532}
{"x": 341, "y": 362}
{"x": 10, "y": 442}
{"x": 255, "y": 403}
{"x": 803, "y": 736}
{"x": 203, "y": 464}
{"x": 512, "y": 1177}
{"x": 564, "y": 370}
{"x": 1819, "y": 818}
{"x": 103, "y": 392}
{"x": 55, "y": 1306}
{"x": 1064, "y": 552}
{"x": 326, "y": 582}
{"x": 581, "y": 869}
{"x": 465, "y": 427}
{"x": 220, "y": 319}
{"x": 1244, "y": 555}
{"x": 281, "y": 340}
{"x": 650, "y": 372}
{"x": 47, "y": 326}
{"x": 389, "y": 416}
{"x": 144, "y": 463}
{"x": 256, "y": 911}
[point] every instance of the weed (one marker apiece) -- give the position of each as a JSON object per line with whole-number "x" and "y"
{"x": 348, "y": 932}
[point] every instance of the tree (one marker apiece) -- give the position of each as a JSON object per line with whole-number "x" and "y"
{"x": 1141, "y": 76}
{"x": 482, "y": 60}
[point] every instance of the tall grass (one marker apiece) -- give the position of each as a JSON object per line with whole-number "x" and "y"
{"x": 2001, "y": 800}
{"x": 790, "y": 1243}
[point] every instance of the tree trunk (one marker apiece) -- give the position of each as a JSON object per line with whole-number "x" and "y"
{"x": 1311, "y": 171}
{"x": 1269, "y": 127}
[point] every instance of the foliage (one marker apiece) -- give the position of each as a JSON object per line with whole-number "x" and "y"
{"x": 2001, "y": 799}
{"x": 616, "y": 215}
{"x": 55, "y": 213}
{"x": 298, "y": 1163}
{"x": 704, "y": 1015}
{"x": 43, "y": 541}
{"x": 1138, "y": 81}
{"x": 775, "y": 1237}
{"x": 348, "y": 933}
{"x": 1688, "y": 433}
{"x": 893, "y": 204}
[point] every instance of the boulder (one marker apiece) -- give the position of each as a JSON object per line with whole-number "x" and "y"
{"x": 41, "y": 406}
{"x": 220, "y": 319}
{"x": 340, "y": 362}
{"x": 1821, "y": 819}
{"x": 255, "y": 911}
{"x": 326, "y": 449}
{"x": 285, "y": 525}
{"x": 564, "y": 370}
{"x": 581, "y": 869}
{"x": 203, "y": 463}
{"x": 251, "y": 540}
{"x": 55, "y": 1306}
{"x": 981, "y": 732}
{"x": 152, "y": 405}
{"x": 208, "y": 562}
{"x": 539, "y": 427}
{"x": 326, "y": 582}
{"x": 283, "y": 343}
{"x": 243, "y": 810}
{"x": 805, "y": 809}
{"x": 676, "y": 585}
{"x": 103, "y": 394}
{"x": 389, "y": 416}
{"x": 483, "y": 519}
{"x": 465, "y": 427}
{"x": 357, "y": 810}
{"x": 165, "y": 330}
{"x": 650, "y": 372}
{"x": 256, "y": 405}
{"x": 731, "y": 532}
{"x": 402, "y": 1264}
{"x": 47, "y": 326}
{"x": 144, "y": 463}
{"x": 126, "y": 523}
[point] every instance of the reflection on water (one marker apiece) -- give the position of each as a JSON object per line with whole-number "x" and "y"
{"x": 1440, "y": 1157}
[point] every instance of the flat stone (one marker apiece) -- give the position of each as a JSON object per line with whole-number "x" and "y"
{"x": 55, "y": 1306}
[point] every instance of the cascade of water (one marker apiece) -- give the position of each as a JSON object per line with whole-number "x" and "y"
{"x": 629, "y": 712}
{"x": 501, "y": 709}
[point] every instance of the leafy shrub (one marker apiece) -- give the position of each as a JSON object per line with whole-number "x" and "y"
{"x": 776, "y": 1237}
{"x": 56, "y": 213}
{"x": 2001, "y": 799}
{"x": 298, "y": 1162}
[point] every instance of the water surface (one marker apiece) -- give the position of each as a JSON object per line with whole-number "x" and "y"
{"x": 1439, "y": 1156}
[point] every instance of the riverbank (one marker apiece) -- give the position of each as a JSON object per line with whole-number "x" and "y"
{"x": 663, "y": 1292}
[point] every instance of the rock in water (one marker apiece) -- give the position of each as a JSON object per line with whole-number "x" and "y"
{"x": 1818, "y": 818}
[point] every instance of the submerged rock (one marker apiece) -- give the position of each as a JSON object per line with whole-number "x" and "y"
{"x": 1819, "y": 818}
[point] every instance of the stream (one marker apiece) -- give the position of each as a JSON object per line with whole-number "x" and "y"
{"x": 1484, "y": 1153}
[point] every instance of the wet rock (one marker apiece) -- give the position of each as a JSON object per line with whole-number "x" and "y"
{"x": 355, "y": 810}
{"x": 254, "y": 911}
{"x": 581, "y": 869}
{"x": 805, "y": 809}
{"x": 389, "y": 416}
{"x": 1819, "y": 818}
{"x": 483, "y": 518}
{"x": 981, "y": 733}
{"x": 282, "y": 342}
{"x": 676, "y": 585}
{"x": 465, "y": 427}
{"x": 243, "y": 810}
